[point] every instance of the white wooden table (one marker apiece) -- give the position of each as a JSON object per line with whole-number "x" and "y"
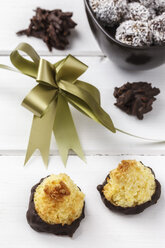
{"x": 103, "y": 149}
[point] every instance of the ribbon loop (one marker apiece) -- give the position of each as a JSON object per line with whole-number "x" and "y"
{"x": 46, "y": 73}
{"x": 39, "y": 98}
{"x": 26, "y": 66}
{"x": 70, "y": 69}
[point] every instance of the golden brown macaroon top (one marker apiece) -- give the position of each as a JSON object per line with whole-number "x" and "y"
{"x": 130, "y": 184}
{"x": 58, "y": 200}
{"x": 57, "y": 192}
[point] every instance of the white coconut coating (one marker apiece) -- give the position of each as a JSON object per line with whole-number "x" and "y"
{"x": 134, "y": 33}
{"x": 141, "y": 22}
{"x": 94, "y": 4}
{"x": 157, "y": 26}
{"x": 109, "y": 12}
{"x": 149, "y": 3}
{"x": 160, "y": 4}
{"x": 137, "y": 11}
{"x": 152, "y": 12}
{"x": 155, "y": 5}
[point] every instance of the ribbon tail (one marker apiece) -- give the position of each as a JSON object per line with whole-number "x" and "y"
{"x": 41, "y": 132}
{"x": 6, "y": 67}
{"x": 87, "y": 103}
{"x": 65, "y": 132}
{"x": 139, "y": 137}
{"x": 90, "y": 89}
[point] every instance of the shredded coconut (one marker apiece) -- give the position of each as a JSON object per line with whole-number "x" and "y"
{"x": 137, "y": 11}
{"x": 139, "y": 22}
{"x": 109, "y": 12}
{"x": 134, "y": 33}
{"x": 157, "y": 26}
{"x": 58, "y": 200}
{"x": 130, "y": 184}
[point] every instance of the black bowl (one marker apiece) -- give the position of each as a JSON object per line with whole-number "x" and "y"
{"x": 127, "y": 57}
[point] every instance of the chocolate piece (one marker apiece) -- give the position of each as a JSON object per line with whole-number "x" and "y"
{"x": 135, "y": 98}
{"x": 134, "y": 33}
{"x": 137, "y": 11}
{"x": 39, "y": 225}
{"x": 160, "y": 4}
{"x": 157, "y": 26}
{"x": 53, "y": 27}
{"x": 157, "y": 5}
{"x": 138, "y": 23}
{"x": 149, "y": 3}
{"x": 130, "y": 210}
{"x": 109, "y": 12}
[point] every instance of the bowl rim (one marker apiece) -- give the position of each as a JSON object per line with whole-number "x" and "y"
{"x": 113, "y": 39}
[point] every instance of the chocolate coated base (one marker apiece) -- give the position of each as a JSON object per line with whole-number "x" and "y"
{"x": 130, "y": 210}
{"x": 39, "y": 225}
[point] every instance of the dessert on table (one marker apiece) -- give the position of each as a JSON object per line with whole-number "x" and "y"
{"x": 130, "y": 188}
{"x": 56, "y": 205}
{"x": 135, "y": 98}
{"x": 52, "y": 26}
{"x": 137, "y": 23}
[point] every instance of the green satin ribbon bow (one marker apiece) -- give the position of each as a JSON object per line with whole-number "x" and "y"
{"x": 57, "y": 85}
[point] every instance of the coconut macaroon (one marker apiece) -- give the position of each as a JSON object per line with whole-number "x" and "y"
{"x": 130, "y": 188}
{"x": 56, "y": 205}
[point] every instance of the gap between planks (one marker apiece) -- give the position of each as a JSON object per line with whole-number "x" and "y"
{"x": 87, "y": 153}
{"x": 61, "y": 54}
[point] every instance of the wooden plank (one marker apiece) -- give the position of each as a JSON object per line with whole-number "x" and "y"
{"x": 16, "y": 121}
{"x": 15, "y": 15}
{"x": 100, "y": 225}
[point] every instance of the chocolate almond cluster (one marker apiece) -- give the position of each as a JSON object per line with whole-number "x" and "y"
{"x": 136, "y": 98}
{"x": 53, "y": 27}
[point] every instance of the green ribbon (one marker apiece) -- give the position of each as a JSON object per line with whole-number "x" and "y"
{"x": 57, "y": 85}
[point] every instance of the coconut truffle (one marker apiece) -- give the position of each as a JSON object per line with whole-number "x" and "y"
{"x": 160, "y": 6}
{"x": 134, "y": 33}
{"x": 109, "y": 12}
{"x": 152, "y": 13}
{"x": 130, "y": 188}
{"x": 56, "y": 205}
{"x": 149, "y": 3}
{"x": 157, "y": 26}
{"x": 137, "y": 11}
{"x": 95, "y": 4}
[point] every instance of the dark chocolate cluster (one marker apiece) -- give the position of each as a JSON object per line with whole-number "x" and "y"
{"x": 53, "y": 27}
{"x": 135, "y": 98}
